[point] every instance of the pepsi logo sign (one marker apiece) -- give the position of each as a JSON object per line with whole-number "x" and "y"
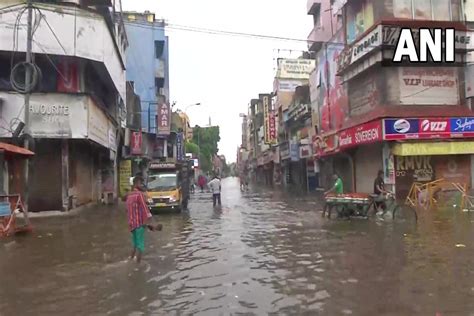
{"x": 401, "y": 126}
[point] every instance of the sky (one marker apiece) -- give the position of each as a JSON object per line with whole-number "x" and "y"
{"x": 224, "y": 73}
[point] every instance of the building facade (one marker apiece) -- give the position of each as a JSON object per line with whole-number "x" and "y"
{"x": 148, "y": 71}
{"x": 77, "y": 108}
{"x": 414, "y": 123}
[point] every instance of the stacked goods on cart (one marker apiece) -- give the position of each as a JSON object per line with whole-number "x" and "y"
{"x": 348, "y": 198}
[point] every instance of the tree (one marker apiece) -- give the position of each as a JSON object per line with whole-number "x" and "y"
{"x": 207, "y": 140}
{"x": 192, "y": 148}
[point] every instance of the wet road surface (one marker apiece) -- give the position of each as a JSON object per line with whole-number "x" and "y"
{"x": 263, "y": 253}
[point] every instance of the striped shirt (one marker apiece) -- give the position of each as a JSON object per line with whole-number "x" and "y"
{"x": 137, "y": 210}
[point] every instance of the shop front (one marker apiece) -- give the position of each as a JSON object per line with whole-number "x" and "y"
{"x": 307, "y": 165}
{"x": 268, "y": 168}
{"x": 260, "y": 174}
{"x": 430, "y": 161}
{"x": 285, "y": 163}
{"x": 355, "y": 154}
{"x": 430, "y": 149}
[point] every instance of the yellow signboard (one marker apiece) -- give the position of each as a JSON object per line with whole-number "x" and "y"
{"x": 433, "y": 149}
{"x": 125, "y": 175}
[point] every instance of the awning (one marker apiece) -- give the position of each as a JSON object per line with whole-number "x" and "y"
{"x": 433, "y": 149}
{"x": 9, "y": 148}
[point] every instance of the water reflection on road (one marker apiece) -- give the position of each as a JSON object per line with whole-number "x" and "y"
{"x": 264, "y": 252}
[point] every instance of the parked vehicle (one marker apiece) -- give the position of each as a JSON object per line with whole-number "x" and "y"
{"x": 168, "y": 185}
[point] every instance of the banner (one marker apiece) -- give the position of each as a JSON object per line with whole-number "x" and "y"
{"x": 269, "y": 121}
{"x": 363, "y": 134}
{"x": 179, "y": 147}
{"x": 295, "y": 68}
{"x": 429, "y": 128}
{"x": 429, "y": 85}
{"x": 164, "y": 119}
{"x": 136, "y": 142}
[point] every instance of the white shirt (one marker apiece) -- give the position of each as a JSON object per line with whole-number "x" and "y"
{"x": 215, "y": 186}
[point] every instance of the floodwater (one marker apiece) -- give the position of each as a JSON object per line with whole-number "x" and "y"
{"x": 263, "y": 253}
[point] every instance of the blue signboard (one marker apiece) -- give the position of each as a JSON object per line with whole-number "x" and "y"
{"x": 462, "y": 124}
{"x": 401, "y": 126}
{"x": 179, "y": 147}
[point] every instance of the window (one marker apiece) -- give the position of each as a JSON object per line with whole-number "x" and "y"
{"x": 317, "y": 17}
{"x": 360, "y": 17}
{"x": 403, "y": 9}
{"x": 159, "y": 85}
{"x": 438, "y": 10}
{"x": 159, "y": 48}
{"x": 441, "y": 10}
{"x": 422, "y": 9}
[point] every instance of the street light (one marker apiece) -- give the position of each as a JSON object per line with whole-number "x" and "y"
{"x": 195, "y": 104}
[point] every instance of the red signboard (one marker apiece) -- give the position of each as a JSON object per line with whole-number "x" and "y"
{"x": 362, "y": 134}
{"x": 164, "y": 119}
{"x": 272, "y": 125}
{"x": 136, "y": 143}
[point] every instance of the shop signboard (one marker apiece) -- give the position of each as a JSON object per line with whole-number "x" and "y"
{"x": 298, "y": 111}
{"x": 269, "y": 121}
{"x": 360, "y": 48}
{"x": 295, "y": 68}
{"x": 388, "y": 165}
{"x": 288, "y": 85}
{"x": 433, "y": 148}
{"x": 267, "y": 157}
{"x": 164, "y": 119}
{"x": 363, "y": 134}
{"x": 462, "y": 125}
{"x": 429, "y": 85}
{"x": 98, "y": 125}
{"x": 64, "y": 116}
{"x": 294, "y": 151}
{"x": 428, "y": 128}
{"x": 136, "y": 142}
{"x": 125, "y": 175}
{"x": 305, "y": 151}
{"x": 179, "y": 147}
{"x": 284, "y": 151}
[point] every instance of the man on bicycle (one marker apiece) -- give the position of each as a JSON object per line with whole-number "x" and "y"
{"x": 380, "y": 191}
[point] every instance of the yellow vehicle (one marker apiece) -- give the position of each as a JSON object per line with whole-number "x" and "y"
{"x": 168, "y": 186}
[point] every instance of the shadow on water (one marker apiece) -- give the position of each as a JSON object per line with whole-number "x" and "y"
{"x": 263, "y": 252}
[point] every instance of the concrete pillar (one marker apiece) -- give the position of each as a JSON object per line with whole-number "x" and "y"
{"x": 65, "y": 173}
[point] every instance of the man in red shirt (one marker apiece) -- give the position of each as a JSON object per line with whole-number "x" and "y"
{"x": 139, "y": 216}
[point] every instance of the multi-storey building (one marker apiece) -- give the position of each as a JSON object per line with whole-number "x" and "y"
{"x": 77, "y": 106}
{"x": 148, "y": 71}
{"x": 415, "y": 123}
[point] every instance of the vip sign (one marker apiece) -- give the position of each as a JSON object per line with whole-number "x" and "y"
{"x": 438, "y": 43}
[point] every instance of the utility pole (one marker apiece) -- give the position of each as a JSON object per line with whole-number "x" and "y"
{"x": 28, "y": 75}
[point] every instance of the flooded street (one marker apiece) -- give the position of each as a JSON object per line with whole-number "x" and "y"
{"x": 263, "y": 253}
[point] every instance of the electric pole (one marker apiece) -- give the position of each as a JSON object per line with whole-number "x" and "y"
{"x": 28, "y": 88}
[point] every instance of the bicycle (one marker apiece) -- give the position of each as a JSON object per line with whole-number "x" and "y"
{"x": 399, "y": 212}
